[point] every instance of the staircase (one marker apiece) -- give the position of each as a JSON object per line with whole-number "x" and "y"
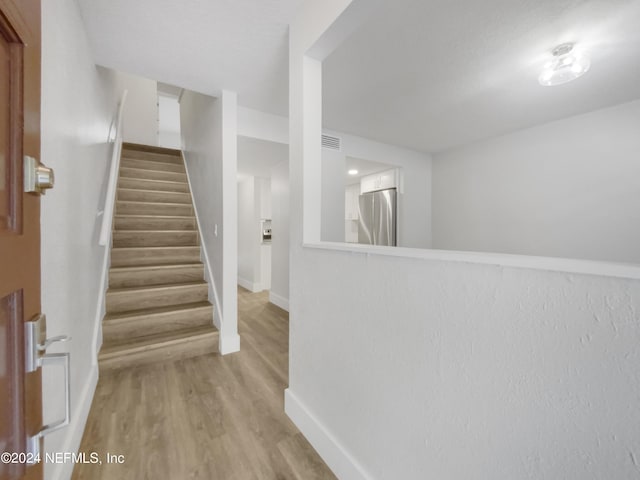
{"x": 156, "y": 304}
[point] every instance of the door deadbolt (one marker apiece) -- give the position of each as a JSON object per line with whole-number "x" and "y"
{"x": 37, "y": 177}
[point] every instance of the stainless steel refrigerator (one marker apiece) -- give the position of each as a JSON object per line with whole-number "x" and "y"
{"x": 378, "y": 217}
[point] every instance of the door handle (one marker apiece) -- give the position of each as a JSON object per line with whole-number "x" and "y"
{"x": 36, "y": 345}
{"x": 60, "y": 338}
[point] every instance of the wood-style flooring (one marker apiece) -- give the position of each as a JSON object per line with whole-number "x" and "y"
{"x": 211, "y": 417}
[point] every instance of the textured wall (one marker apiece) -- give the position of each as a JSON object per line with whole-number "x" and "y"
{"x": 449, "y": 370}
{"x": 79, "y": 102}
{"x": 415, "y": 368}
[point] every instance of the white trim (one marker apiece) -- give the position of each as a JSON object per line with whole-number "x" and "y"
{"x": 213, "y": 292}
{"x": 568, "y": 265}
{"x": 62, "y": 471}
{"x": 101, "y": 304}
{"x": 279, "y": 301}
{"x": 229, "y": 344}
{"x": 343, "y": 465}
{"x": 254, "y": 287}
{"x": 112, "y": 181}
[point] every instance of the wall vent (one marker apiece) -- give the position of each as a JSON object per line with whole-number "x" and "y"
{"x": 330, "y": 142}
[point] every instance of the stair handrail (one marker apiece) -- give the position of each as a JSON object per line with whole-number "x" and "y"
{"x": 110, "y": 197}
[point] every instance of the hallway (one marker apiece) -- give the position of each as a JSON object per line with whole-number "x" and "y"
{"x": 209, "y": 417}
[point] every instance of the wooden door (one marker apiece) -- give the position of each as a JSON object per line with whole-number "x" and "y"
{"x": 20, "y": 393}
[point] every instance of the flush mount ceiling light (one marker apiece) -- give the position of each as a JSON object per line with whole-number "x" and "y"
{"x": 353, "y": 171}
{"x": 566, "y": 65}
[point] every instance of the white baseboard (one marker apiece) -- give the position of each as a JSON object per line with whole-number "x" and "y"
{"x": 254, "y": 287}
{"x": 343, "y": 465}
{"x": 63, "y": 471}
{"x": 229, "y": 344}
{"x": 278, "y": 300}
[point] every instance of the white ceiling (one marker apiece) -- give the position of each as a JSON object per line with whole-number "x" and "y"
{"x": 257, "y": 157}
{"x": 202, "y": 45}
{"x": 435, "y": 74}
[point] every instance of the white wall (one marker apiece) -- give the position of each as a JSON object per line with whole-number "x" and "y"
{"x": 567, "y": 189}
{"x": 414, "y": 200}
{"x": 420, "y": 368}
{"x": 79, "y": 102}
{"x": 168, "y": 121}
{"x": 140, "y": 119}
{"x": 279, "y": 293}
{"x": 208, "y": 127}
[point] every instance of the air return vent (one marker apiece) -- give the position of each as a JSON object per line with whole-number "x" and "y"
{"x": 332, "y": 143}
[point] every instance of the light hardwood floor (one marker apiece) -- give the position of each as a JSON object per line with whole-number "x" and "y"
{"x": 208, "y": 417}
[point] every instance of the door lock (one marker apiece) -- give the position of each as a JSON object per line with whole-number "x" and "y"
{"x": 37, "y": 177}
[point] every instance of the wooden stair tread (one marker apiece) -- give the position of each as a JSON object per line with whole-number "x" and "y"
{"x": 128, "y": 315}
{"x": 146, "y": 164}
{"x": 143, "y": 191}
{"x": 131, "y": 276}
{"x": 150, "y": 148}
{"x": 151, "y": 237}
{"x": 170, "y": 286}
{"x": 154, "y": 203}
{"x": 152, "y": 184}
{"x": 175, "y": 247}
{"x": 145, "y": 216}
{"x": 157, "y": 231}
{"x": 146, "y": 174}
{"x": 139, "y": 268}
{"x": 146, "y": 170}
{"x": 158, "y": 341}
{"x": 158, "y": 182}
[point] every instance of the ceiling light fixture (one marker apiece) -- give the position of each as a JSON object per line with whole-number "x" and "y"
{"x": 353, "y": 171}
{"x": 566, "y": 65}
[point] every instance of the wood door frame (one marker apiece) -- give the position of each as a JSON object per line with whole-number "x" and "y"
{"x": 20, "y": 25}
